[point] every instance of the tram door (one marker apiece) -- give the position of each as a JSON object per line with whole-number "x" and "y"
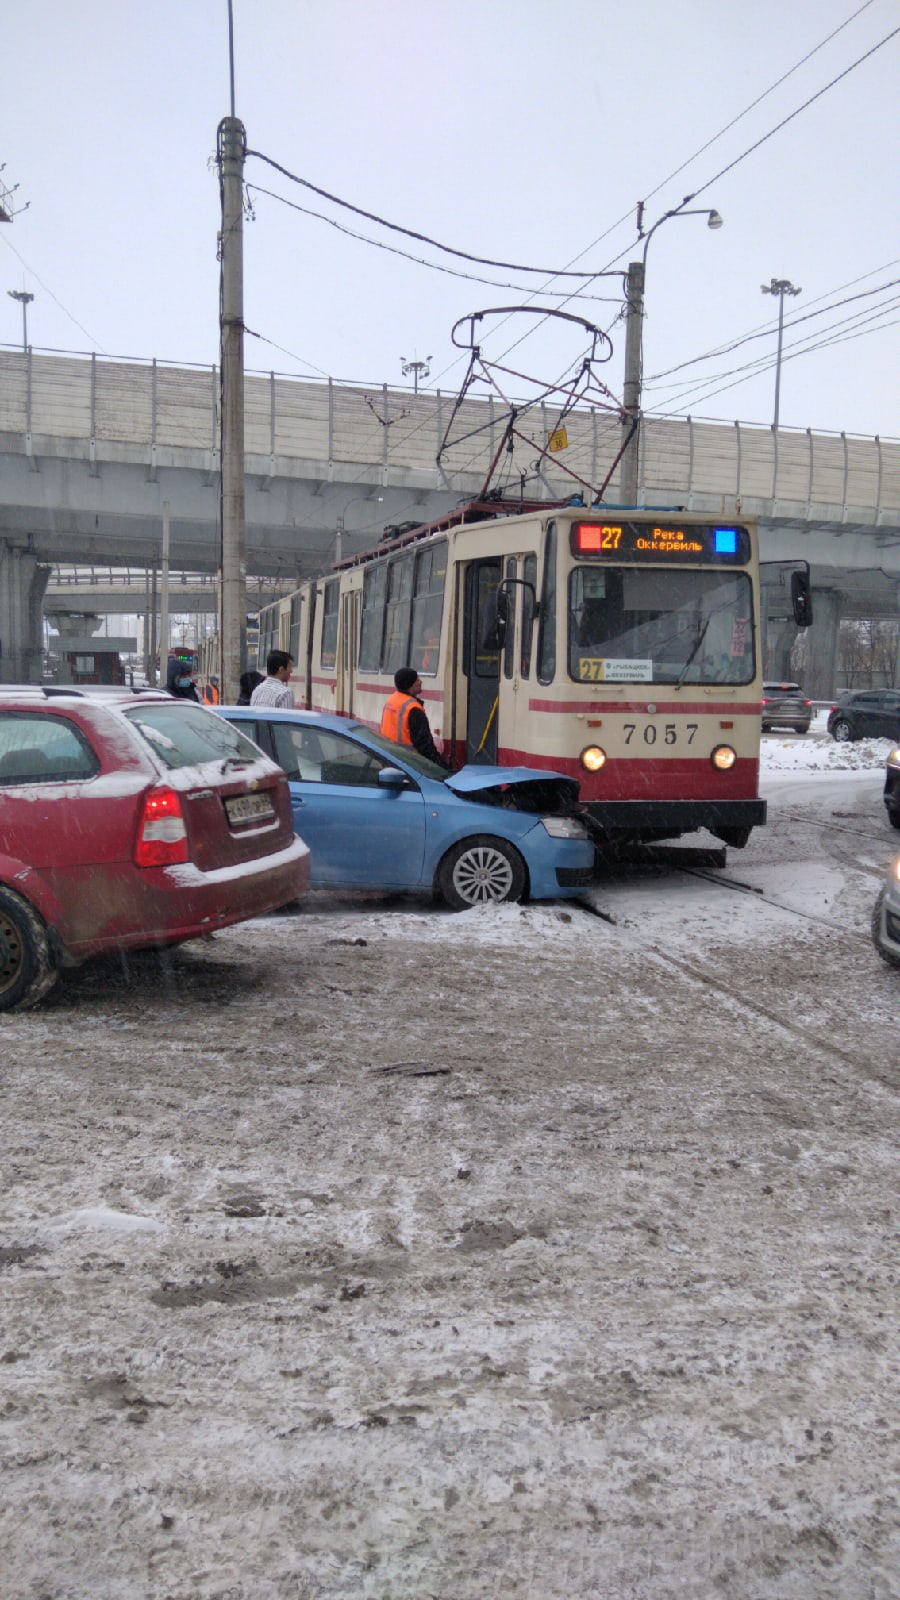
{"x": 481, "y": 662}
{"x": 347, "y": 655}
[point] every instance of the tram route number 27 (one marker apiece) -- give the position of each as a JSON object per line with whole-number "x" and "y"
{"x": 665, "y": 732}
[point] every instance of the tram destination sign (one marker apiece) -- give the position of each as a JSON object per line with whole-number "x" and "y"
{"x": 721, "y": 544}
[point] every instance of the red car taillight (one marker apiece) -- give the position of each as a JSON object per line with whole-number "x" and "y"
{"x": 162, "y": 835}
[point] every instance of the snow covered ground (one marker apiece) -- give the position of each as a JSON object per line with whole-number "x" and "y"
{"x": 539, "y": 1252}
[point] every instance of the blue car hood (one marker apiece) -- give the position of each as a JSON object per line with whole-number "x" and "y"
{"x": 472, "y": 779}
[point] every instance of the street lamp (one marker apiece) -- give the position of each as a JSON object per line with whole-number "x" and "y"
{"x": 25, "y": 299}
{"x": 781, "y": 287}
{"x": 634, "y": 319}
{"x": 339, "y": 526}
{"x": 419, "y": 369}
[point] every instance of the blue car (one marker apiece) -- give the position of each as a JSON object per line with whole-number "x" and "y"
{"x": 377, "y": 815}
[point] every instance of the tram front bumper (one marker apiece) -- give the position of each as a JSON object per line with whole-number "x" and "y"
{"x": 666, "y": 819}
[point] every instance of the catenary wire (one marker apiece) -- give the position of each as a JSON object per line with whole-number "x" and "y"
{"x": 764, "y": 362}
{"x": 727, "y": 127}
{"x": 792, "y": 114}
{"x": 766, "y": 332}
{"x": 672, "y": 406}
{"x": 771, "y": 324}
{"x": 749, "y": 151}
{"x": 723, "y": 388}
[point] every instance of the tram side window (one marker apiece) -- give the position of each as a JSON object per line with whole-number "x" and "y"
{"x": 529, "y": 573}
{"x": 372, "y": 627}
{"x": 330, "y": 623}
{"x": 509, "y": 644}
{"x": 268, "y": 633}
{"x": 397, "y": 614}
{"x": 296, "y": 617}
{"x": 427, "y": 610}
{"x": 546, "y": 666}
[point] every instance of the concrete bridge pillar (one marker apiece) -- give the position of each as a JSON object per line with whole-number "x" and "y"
{"x": 822, "y": 645}
{"x": 782, "y": 636}
{"x": 75, "y": 624}
{"x": 23, "y": 580}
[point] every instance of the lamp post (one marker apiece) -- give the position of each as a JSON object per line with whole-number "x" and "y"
{"x": 25, "y": 299}
{"x": 419, "y": 369}
{"x": 781, "y": 287}
{"x": 339, "y": 525}
{"x": 634, "y": 318}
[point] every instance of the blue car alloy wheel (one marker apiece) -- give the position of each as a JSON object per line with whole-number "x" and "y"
{"x": 479, "y": 870}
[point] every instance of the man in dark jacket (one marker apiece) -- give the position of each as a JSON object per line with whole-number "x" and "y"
{"x": 404, "y": 719}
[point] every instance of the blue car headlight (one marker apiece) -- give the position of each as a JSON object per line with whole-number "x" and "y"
{"x": 565, "y": 828}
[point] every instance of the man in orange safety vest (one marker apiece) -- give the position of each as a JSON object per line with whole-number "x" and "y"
{"x": 404, "y": 719}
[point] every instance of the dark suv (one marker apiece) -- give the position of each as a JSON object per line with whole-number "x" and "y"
{"x": 785, "y": 706}
{"x": 866, "y": 714}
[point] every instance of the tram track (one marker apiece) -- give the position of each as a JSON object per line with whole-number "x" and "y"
{"x": 800, "y": 1033}
{"x": 739, "y": 995}
{"x": 832, "y": 827}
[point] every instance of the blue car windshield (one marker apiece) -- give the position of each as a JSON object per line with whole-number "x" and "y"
{"x": 410, "y": 757}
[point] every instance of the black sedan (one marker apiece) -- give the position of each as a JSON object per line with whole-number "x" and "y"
{"x": 866, "y": 714}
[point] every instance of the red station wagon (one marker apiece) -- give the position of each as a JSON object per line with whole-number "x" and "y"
{"x": 130, "y": 820}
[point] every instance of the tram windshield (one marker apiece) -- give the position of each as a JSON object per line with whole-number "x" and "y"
{"x": 659, "y": 625}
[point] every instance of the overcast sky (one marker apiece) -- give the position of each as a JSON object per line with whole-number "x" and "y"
{"x": 525, "y": 131}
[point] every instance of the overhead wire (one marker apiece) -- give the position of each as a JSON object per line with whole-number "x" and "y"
{"x": 552, "y": 275}
{"x": 729, "y": 125}
{"x": 754, "y": 369}
{"x": 766, "y": 331}
{"x": 433, "y": 266}
{"x": 723, "y": 388}
{"x": 810, "y": 341}
{"x": 412, "y": 233}
{"x": 64, "y": 309}
{"x": 796, "y": 113}
{"x": 751, "y": 148}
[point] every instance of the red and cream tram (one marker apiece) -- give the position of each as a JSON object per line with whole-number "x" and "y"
{"x": 623, "y": 650}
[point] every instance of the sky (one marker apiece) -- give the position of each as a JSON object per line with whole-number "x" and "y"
{"x": 522, "y": 131}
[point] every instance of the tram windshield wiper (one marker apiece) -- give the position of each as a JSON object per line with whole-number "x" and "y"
{"x": 695, "y": 647}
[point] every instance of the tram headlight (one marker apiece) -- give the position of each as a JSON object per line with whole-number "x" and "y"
{"x": 893, "y": 759}
{"x": 723, "y": 757}
{"x": 593, "y": 758}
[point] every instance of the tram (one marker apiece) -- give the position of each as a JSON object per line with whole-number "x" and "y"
{"x": 621, "y": 650}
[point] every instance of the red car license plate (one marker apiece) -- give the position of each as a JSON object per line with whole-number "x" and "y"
{"x": 249, "y": 808}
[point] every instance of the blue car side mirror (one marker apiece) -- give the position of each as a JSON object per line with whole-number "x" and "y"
{"x": 392, "y": 778}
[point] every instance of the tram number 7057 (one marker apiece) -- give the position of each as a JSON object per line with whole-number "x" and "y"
{"x": 652, "y": 730}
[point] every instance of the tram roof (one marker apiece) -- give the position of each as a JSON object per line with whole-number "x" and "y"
{"x": 472, "y": 511}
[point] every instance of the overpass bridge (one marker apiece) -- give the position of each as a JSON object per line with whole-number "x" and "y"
{"x": 91, "y": 449}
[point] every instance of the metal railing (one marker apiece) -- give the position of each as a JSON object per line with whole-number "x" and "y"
{"x": 308, "y": 427}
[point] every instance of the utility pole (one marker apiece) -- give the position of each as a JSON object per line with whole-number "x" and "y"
{"x": 164, "y": 600}
{"x": 631, "y": 389}
{"x": 25, "y": 299}
{"x": 781, "y": 287}
{"x": 232, "y": 144}
{"x": 634, "y": 318}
